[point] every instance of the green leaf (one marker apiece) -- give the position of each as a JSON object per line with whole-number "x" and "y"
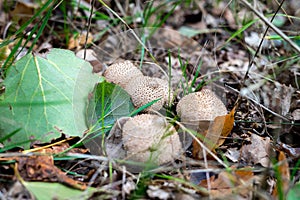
{"x": 190, "y": 32}
{"x": 108, "y": 103}
{"x": 46, "y": 97}
{"x": 45, "y": 191}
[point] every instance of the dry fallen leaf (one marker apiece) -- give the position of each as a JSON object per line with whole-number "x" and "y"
{"x": 156, "y": 192}
{"x": 257, "y": 152}
{"x": 215, "y": 135}
{"x": 77, "y": 41}
{"x": 284, "y": 174}
{"x": 233, "y": 154}
{"x": 42, "y": 168}
{"x": 238, "y": 182}
{"x": 228, "y": 125}
{"x": 23, "y": 11}
{"x": 4, "y": 53}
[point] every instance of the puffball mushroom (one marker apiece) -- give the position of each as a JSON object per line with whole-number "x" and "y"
{"x": 144, "y": 138}
{"x": 144, "y": 89}
{"x": 196, "y": 109}
{"x": 121, "y": 73}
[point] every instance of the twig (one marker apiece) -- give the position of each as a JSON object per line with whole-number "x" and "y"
{"x": 88, "y": 28}
{"x": 272, "y": 26}
{"x": 261, "y": 42}
{"x": 264, "y": 107}
{"x": 129, "y": 29}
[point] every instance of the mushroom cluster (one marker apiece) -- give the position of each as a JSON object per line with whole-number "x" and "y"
{"x": 142, "y": 89}
{"x": 143, "y": 138}
{"x": 149, "y": 137}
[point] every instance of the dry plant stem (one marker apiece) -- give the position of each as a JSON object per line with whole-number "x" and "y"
{"x": 114, "y": 13}
{"x": 47, "y": 146}
{"x": 261, "y": 42}
{"x": 95, "y": 175}
{"x": 98, "y": 158}
{"x": 8, "y": 155}
{"x": 6, "y": 29}
{"x": 120, "y": 7}
{"x": 278, "y": 31}
{"x": 123, "y": 181}
{"x": 257, "y": 103}
{"x": 165, "y": 168}
{"x": 207, "y": 173}
{"x": 130, "y": 29}
{"x": 211, "y": 153}
{"x": 92, "y": 157}
{"x": 115, "y": 184}
{"x": 283, "y": 10}
{"x": 88, "y": 28}
{"x": 159, "y": 67}
{"x": 17, "y": 174}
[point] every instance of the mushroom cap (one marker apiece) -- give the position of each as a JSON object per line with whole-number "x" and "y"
{"x": 121, "y": 73}
{"x": 149, "y": 136}
{"x": 200, "y": 106}
{"x": 143, "y": 138}
{"x": 144, "y": 89}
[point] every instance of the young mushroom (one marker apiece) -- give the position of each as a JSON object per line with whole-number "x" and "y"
{"x": 197, "y": 109}
{"x": 144, "y": 89}
{"x": 121, "y": 73}
{"x": 145, "y": 138}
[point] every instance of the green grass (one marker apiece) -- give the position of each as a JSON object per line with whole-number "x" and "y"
{"x": 37, "y": 30}
{"x": 192, "y": 87}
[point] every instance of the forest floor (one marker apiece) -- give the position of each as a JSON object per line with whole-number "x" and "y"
{"x": 224, "y": 46}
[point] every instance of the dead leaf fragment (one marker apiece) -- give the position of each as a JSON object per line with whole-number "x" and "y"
{"x": 156, "y": 192}
{"x": 284, "y": 173}
{"x": 4, "y": 53}
{"x": 282, "y": 104}
{"x": 233, "y": 154}
{"x": 129, "y": 186}
{"x": 77, "y": 41}
{"x": 22, "y": 12}
{"x": 228, "y": 15}
{"x": 215, "y": 135}
{"x": 91, "y": 57}
{"x": 238, "y": 182}
{"x": 296, "y": 114}
{"x": 257, "y": 152}
{"x": 42, "y": 168}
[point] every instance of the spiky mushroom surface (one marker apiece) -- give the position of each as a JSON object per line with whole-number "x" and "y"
{"x": 197, "y": 108}
{"x": 121, "y": 73}
{"x": 144, "y": 89}
{"x": 203, "y": 105}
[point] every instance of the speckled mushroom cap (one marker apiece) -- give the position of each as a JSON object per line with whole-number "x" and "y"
{"x": 203, "y": 105}
{"x": 121, "y": 73}
{"x": 143, "y": 138}
{"x": 144, "y": 89}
